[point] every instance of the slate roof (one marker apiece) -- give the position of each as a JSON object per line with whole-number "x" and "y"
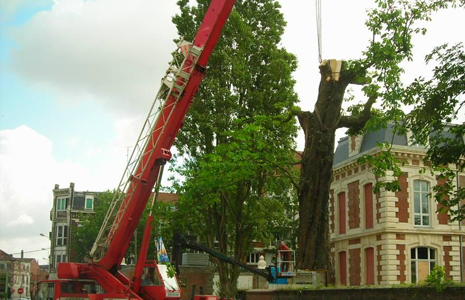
{"x": 369, "y": 142}
{"x": 371, "y": 138}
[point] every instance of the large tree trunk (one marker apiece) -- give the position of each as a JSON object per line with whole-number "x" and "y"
{"x": 316, "y": 172}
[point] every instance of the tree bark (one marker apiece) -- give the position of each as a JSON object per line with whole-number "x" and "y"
{"x": 316, "y": 172}
{"x": 317, "y": 161}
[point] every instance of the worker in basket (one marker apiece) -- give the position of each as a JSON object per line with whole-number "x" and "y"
{"x": 285, "y": 253}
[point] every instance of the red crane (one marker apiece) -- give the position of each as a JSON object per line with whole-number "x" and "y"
{"x": 151, "y": 152}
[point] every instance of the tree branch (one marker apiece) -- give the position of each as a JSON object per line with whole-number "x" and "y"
{"x": 286, "y": 172}
{"x": 305, "y": 120}
{"x": 357, "y": 122}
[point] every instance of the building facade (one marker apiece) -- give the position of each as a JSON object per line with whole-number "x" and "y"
{"x": 18, "y": 276}
{"x": 68, "y": 205}
{"x": 390, "y": 237}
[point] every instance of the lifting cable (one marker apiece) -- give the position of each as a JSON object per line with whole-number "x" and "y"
{"x": 318, "y": 28}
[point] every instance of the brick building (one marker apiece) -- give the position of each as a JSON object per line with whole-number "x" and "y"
{"x": 390, "y": 237}
{"x": 18, "y": 274}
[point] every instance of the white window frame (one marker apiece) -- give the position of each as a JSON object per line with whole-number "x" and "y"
{"x": 431, "y": 261}
{"x": 421, "y": 200}
{"x": 61, "y": 239}
{"x": 59, "y": 258}
{"x": 61, "y": 204}
{"x": 253, "y": 258}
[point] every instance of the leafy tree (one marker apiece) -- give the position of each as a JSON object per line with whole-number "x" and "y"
{"x": 238, "y": 136}
{"x": 85, "y": 235}
{"x": 393, "y": 24}
{"x": 439, "y": 101}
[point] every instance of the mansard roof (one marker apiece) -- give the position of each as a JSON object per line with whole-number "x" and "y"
{"x": 370, "y": 139}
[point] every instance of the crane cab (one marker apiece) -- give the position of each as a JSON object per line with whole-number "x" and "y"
{"x": 156, "y": 282}
{"x": 69, "y": 289}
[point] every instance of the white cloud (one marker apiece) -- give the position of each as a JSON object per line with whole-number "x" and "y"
{"x": 112, "y": 51}
{"x": 10, "y": 7}
{"x": 28, "y": 173}
{"x": 21, "y": 220}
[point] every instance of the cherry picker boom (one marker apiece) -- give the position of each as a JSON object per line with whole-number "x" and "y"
{"x": 180, "y": 242}
{"x": 151, "y": 152}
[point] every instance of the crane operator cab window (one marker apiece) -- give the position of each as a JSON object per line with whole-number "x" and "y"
{"x": 150, "y": 277}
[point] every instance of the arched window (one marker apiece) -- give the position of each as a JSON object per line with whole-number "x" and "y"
{"x": 422, "y": 210}
{"x": 422, "y": 261}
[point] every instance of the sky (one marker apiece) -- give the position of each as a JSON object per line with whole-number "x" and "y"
{"x": 78, "y": 77}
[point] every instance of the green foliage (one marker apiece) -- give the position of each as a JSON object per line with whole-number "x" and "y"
{"x": 170, "y": 270}
{"x": 384, "y": 164}
{"x": 86, "y": 234}
{"x": 238, "y": 136}
{"x": 437, "y": 102}
{"x": 393, "y": 24}
{"x": 437, "y": 278}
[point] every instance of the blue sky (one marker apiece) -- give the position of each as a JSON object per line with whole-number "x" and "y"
{"x": 77, "y": 79}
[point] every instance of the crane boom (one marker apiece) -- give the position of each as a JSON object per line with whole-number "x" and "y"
{"x": 178, "y": 88}
{"x": 152, "y": 150}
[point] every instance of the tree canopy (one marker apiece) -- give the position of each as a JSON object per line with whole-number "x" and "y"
{"x": 237, "y": 138}
{"x": 393, "y": 23}
{"x": 438, "y": 101}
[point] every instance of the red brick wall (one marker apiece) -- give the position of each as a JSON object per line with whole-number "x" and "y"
{"x": 398, "y": 293}
{"x": 368, "y": 205}
{"x": 447, "y": 260}
{"x": 331, "y": 218}
{"x": 402, "y": 200}
{"x": 378, "y": 262}
{"x": 354, "y": 241}
{"x": 354, "y": 267}
{"x": 370, "y": 266}
{"x": 343, "y": 268}
{"x": 443, "y": 217}
{"x": 354, "y": 205}
{"x": 342, "y": 213}
{"x": 402, "y": 277}
{"x": 201, "y": 277}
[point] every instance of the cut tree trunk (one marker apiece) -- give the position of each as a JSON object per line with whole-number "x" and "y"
{"x": 316, "y": 172}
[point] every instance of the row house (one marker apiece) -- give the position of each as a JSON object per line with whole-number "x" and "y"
{"x": 18, "y": 276}
{"x": 390, "y": 237}
{"x": 68, "y": 207}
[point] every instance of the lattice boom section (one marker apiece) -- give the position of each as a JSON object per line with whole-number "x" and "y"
{"x": 172, "y": 84}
